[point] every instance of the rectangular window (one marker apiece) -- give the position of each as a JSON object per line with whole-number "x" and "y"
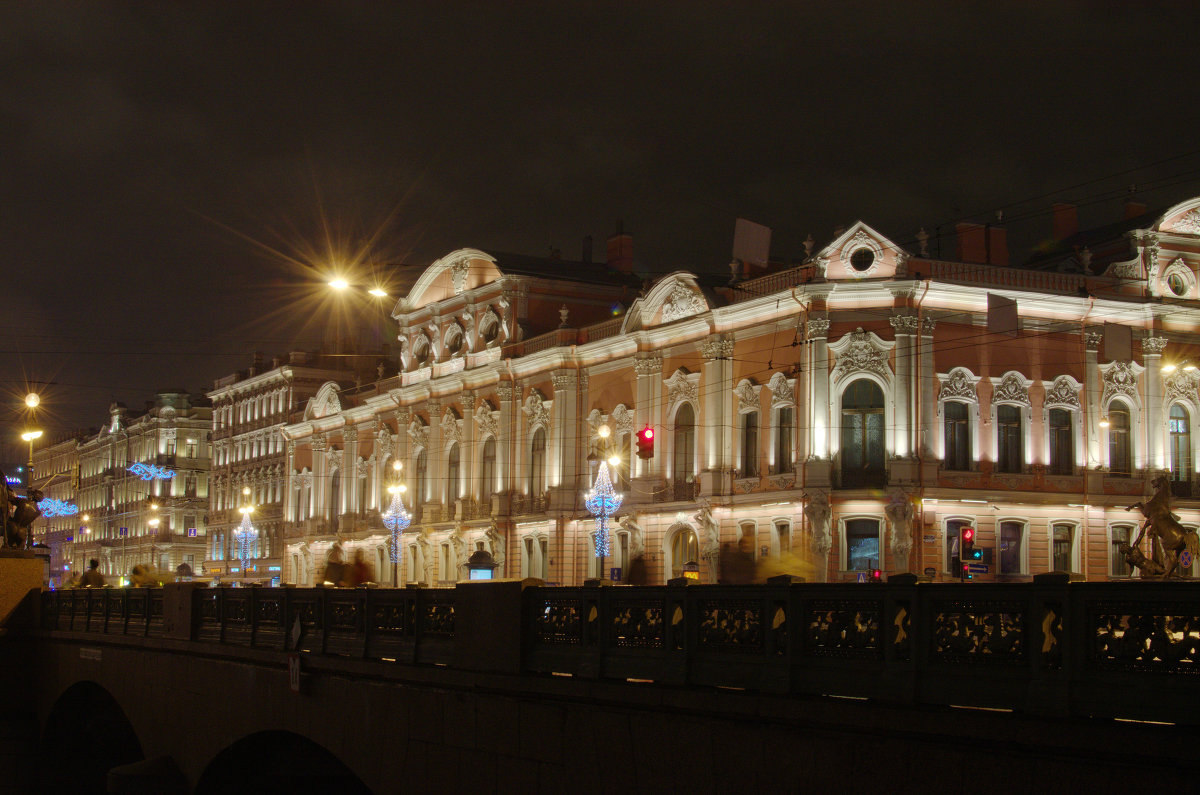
{"x": 527, "y": 563}
{"x": 544, "y": 548}
{"x": 750, "y": 444}
{"x": 1009, "y": 438}
{"x": 446, "y": 562}
{"x": 1062, "y": 443}
{"x": 783, "y": 441}
{"x": 958, "y": 436}
{"x": 1061, "y": 551}
{"x": 1011, "y": 540}
{"x": 862, "y": 544}
{"x": 1118, "y": 566}
{"x": 783, "y": 533}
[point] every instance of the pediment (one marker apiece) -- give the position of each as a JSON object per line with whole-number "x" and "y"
{"x": 453, "y": 274}
{"x": 325, "y": 403}
{"x": 1182, "y": 219}
{"x": 674, "y": 297}
{"x": 861, "y": 253}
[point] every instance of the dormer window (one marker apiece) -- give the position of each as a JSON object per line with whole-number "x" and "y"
{"x": 454, "y": 340}
{"x": 422, "y": 351}
{"x": 862, "y": 260}
{"x": 489, "y": 328}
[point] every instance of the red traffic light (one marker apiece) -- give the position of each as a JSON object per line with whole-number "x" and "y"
{"x": 647, "y": 433}
{"x": 968, "y": 534}
{"x": 876, "y": 575}
{"x": 645, "y": 442}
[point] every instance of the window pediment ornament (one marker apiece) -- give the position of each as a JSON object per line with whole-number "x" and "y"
{"x": 1013, "y": 388}
{"x": 1181, "y": 385}
{"x": 537, "y": 411}
{"x": 419, "y": 433}
{"x": 783, "y": 391}
{"x": 362, "y": 469}
{"x": 683, "y": 302}
{"x": 451, "y": 427}
{"x": 682, "y": 385}
{"x": 458, "y": 274}
{"x": 861, "y": 352}
{"x": 960, "y": 385}
{"x": 1189, "y": 224}
{"x": 486, "y": 420}
{"x": 1063, "y": 394}
{"x": 622, "y": 418}
{"x": 1120, "y": 379}
{"x": 747, "y": 395}
{"x": 648, "y": 366}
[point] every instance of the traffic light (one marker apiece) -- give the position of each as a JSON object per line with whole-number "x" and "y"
{"x": 876, "y": 575}
{"x": 645, "y": 442}
{"x": 966, "y": 547}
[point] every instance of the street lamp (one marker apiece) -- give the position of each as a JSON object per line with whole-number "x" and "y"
{"x": 245, "y": 534}
{"x": 396, "y": 519}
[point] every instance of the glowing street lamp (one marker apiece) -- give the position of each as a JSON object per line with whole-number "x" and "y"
{"x": 245, "y": 534}
{"x": 602, "y": 502}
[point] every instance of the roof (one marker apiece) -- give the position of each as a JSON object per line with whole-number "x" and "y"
{"x": 565, "y": 270}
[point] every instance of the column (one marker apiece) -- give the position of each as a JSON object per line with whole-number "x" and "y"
{"x": 1152, "y": 348}
{"x": 647, "y": 411}
{"x": 818, "y": 329}
{"x": 468, "y": 452}
{"x": 562, "y": 467}
{"x": 1091, "y": 340}
{"x": 716, "y": 416}
{"x": 928, "y": 378}
{"x": 505, "y": 443}
{"x": 435, "y": 474}
{"x": 320, "y": 478}
{"x": 906, "y": 329}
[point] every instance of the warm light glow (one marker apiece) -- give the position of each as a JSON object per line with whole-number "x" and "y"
{"x": 29, "y": 436}
{"x": 377, "y": 292}
{"x": 246, "y": 490}
{"x": 32, "y": 400}
{"x": 339, "y": 284}
{"x": 1190, "y": 368}
{"x": 603, "y": 431}
{"x": 397, "y": 465}
{"x": 249, "y": 509}
{"x": 393, "y": 489}
{"x": 153, "y": 522}
{"x": 154, "y": 506}
{"x": 402, "y": 488}
{"x": 613, "y": 460}
{"x": 1168, "y": 368}
{"x": 1104, "y": 422}
{"x": 87, "y": 518}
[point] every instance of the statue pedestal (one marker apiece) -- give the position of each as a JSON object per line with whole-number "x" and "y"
{"x": 20, "y": 572}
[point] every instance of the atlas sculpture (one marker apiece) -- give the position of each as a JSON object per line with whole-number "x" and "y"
{"x": 1160, "y": 523}
{"x": 19, "y": 513}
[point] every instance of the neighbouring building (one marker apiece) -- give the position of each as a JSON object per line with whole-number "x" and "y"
{"x": 56, "y": 474}
{"x": 846, "y": 413}
{"x": 249, "y": 408}
{"x": 143, "y": 488}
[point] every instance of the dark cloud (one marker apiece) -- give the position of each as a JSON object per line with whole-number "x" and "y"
{"x": 173, "y": 173}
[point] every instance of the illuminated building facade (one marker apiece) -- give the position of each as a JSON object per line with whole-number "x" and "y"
{"x": 248, "y": 409}
{"x": 847, "y": 413}
{"x": 159, "y": 457}
{"x": 56, "y": 466}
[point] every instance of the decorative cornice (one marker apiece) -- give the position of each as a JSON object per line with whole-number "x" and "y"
{"x": 1013, "y": 388}
{"x": 565, "y": 379}
{"x": 960, "y": 385}
{"x": 622, "y": 418}
{"x": 927, "y": 326}
{"x": 1120, "y": 379}
{"x": 1064, "y": 393}
{"x": 682, "y": 386}
{"x": 783, "y": 390}
{"x": 1092, "y": 340}
{"x": 537, "y": 411}
{"x": 904, "y": 324}
{"x": 504, "y": 390}
{"x": 1189, "y": 224}
{"x": 648, "y": 366}
{"x": 747, "y": 395}
{"x": 818, "y": 327}
{"x": 1181, "y": 385}
{"x": 861, "y": 352}
{"x": 486, "y": 420}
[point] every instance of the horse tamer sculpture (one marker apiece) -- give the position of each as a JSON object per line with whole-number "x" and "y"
{"x": 18, "y": 514}
{"x": 1163, "y": 525}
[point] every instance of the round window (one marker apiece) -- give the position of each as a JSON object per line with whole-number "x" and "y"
{"x": 421, "y": 351}
{"x": 862, "y": 259}
{"x": 1177, "y": 284}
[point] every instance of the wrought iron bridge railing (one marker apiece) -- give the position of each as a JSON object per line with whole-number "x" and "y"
{"x": 1117, "y": 650}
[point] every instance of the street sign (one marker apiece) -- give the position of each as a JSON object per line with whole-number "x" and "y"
{"x": 978, "y": 568}
{"x": 294, "y": 672}
{"x": 191, "y": 532}
{"x": 862, "y": 577}
{"x": 930, "y": 571}
{"x": 614, "y": 574}
{"x": 1185, "y": 559}
{"x": 124, "y": 531}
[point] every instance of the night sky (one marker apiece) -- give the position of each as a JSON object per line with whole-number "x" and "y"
{"x": 177, "y": 178}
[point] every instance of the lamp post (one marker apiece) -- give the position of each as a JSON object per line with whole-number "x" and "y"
{"x": 602, "y": 502}
{"x": 396, "y": 519}
{"x": 245, "y": 534}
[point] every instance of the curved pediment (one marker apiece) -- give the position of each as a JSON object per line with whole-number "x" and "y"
{"x": 861, "y": 253}
{"x": 676, "y": 296}
{"x": 1182, "y": 219}
{"x": 325, "y": 403}
{"x": 455, "y": 273}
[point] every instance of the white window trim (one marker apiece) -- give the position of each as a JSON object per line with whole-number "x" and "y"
{"x": 1076, "y": 423}
{"x": 1108, "y": 532}
{"x": 669, "y": 447}
{"x": 1192, "y": 412}
{"x": 1026, "y": 408}
{"x": 668, "y": 541}
{"x": 776, "y": 545}
{"x": 1075, "y": 531}
{"x": 1137, "y": 459}
{"x": 774, "y": 466}
{"x": 742, "y": 523}
{"x": 946, "y": 520}
{"x": 1178, "y": 266}
{"x": 1023, "y": 554}
{"x": 844, "y": 549}
{"x": 972, "y": 426}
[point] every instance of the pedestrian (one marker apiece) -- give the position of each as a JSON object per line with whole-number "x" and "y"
{"x": 334, "y": 567}
{"x": 92, "y": 578}
{"x": 358, "y": 572}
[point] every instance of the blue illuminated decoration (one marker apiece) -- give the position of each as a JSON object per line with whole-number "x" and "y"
{"x": 396, "y": 519}
{"x": 10, "y": 480}
{"x": 602, "y": 502}
{"x": 51, "y": 507}
{"x": 151, "y": 472}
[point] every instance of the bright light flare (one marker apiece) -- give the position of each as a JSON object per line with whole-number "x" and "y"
{"x": 29, "y": 436}
{"x": 378, "y": 292}
{"x": 32, "y": 400}
{"x": 339, "y": 284}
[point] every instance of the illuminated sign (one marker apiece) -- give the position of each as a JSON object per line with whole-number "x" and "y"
{"x": 51, "y": 507}
{"x": 10, "y": 480}
{"x": 150, "y": 471}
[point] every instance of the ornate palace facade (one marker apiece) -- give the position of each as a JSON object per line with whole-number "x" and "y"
{"x": 847, "y": 413}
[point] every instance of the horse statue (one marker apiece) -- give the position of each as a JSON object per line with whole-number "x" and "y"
{"x": 1163, "y": 525}
{"x": 18, "y": 514}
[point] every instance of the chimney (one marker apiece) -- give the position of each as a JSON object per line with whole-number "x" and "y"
{"x": 971, "y": 242}
{"x": 1066, "y": 220}
{"x": 620, "y": 251}
{"x": 997, "y": 245}
{"x": 1134, "y": 209}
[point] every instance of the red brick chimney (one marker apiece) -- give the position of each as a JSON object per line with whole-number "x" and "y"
{"x": 981, "y": 244}
{"x": 1134, "y": 209}
{"x": 1066, "y": 220}
{"x": 620, "y": 253}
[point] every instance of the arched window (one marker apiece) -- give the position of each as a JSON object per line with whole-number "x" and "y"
{"x": 419, "y": 477}
{"x": 1119, "y": 462}
{"x": 1010, "y": 437}
{"x": 1062, "y": 442}
{"x": 452, "y": 467}
{"x": 1181, "y": 451}
{"x": 537, "y": 463}
{"x": 335, "y": 499}
{"x": 685, "y": 548}
{"x": 487, "y": 471}
{"x": 782, "y": 460}
{"x": 958, "y": 436}
{"x": 862, "y": 434}
{"x": 684, "y": 447}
